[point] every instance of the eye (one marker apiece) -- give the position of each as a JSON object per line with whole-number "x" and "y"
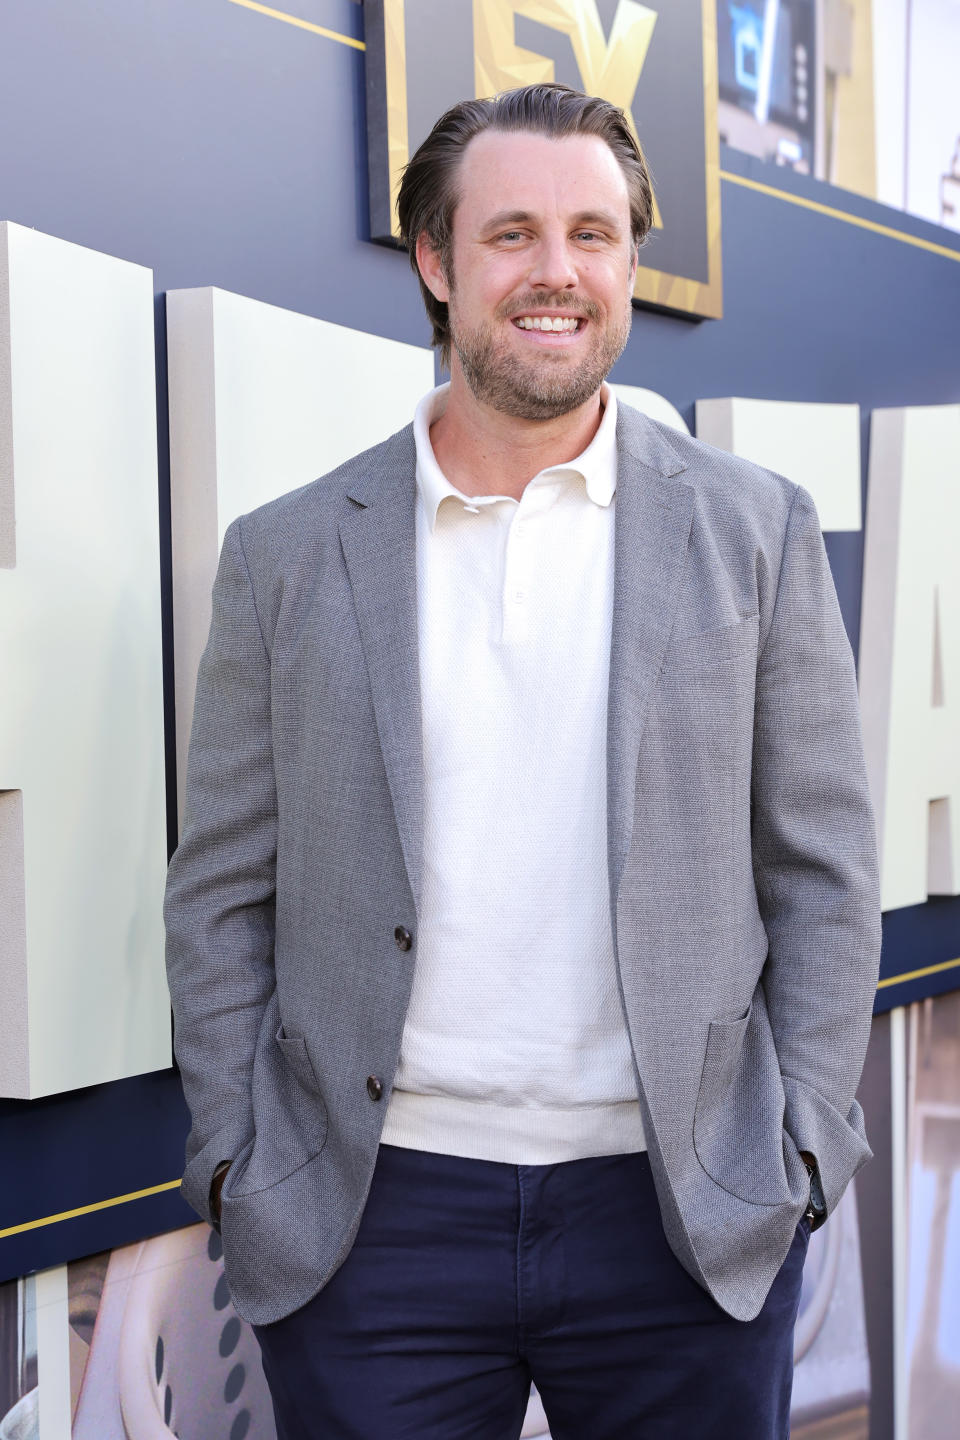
{"x": 512, "y": 235}
{"x": 589, "y": 235}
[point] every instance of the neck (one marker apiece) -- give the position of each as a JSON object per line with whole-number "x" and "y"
{"x": 482, "y": 451}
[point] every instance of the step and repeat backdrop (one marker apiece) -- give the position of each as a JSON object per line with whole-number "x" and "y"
{"x": 203, "y": 305}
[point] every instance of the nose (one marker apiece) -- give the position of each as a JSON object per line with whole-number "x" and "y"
{"x": 553, "y": 266}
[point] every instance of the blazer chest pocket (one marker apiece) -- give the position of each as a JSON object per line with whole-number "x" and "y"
{"x": 290, "y": 1118}
{"x": 738, "y": 1120}
{"x": 713, "y": 647}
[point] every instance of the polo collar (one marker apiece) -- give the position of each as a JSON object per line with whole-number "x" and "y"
{"x": 596, "y": 465}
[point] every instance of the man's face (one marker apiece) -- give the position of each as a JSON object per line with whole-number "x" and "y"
{"x": 541, "y": 235}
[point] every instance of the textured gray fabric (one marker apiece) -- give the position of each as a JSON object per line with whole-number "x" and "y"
{"x": 742, "y": 863}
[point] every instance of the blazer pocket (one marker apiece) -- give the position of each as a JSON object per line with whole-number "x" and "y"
{"x": 713, "y": 647}
{"x": 738, "y": 1119}
{"x": 293, "y": 1048}
{"x": 290, "y": 1118}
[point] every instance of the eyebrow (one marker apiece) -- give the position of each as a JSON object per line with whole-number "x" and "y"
{"x": 524, "y": 217}
{"x": 507, "y": 217}
{"x": 598, "y": 217}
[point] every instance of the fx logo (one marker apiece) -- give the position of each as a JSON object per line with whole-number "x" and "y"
{"x": 659, "y": 66}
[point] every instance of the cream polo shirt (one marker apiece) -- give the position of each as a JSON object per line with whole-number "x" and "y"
{"x": 515, "y": 1045}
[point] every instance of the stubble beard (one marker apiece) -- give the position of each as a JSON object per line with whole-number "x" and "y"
{"x": 552, "y": 383}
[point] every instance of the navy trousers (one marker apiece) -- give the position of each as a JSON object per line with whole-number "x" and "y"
{"x": 468, "y": 1279}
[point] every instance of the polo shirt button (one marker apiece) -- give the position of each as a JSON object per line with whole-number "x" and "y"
{"x": 374, "y": 1087}
{"x": 403, "y": 937}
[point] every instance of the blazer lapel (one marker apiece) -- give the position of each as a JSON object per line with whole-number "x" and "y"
{"x": 379, "y": 546}
{"x": 653, "y": 518}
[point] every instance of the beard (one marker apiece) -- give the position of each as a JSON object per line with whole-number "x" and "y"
{"x": 552, "y": 382}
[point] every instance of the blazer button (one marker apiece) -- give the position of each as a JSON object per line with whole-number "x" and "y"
{"x": 403, "y": 937}
{"x": 374, "y": 1087}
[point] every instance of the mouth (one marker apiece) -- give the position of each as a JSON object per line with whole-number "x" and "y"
{"x": 550, "y": 329}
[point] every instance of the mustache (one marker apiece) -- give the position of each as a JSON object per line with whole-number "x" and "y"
{"x": 569, "y": 304}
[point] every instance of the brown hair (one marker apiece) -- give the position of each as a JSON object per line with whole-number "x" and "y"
{"x": 428, "y": 193}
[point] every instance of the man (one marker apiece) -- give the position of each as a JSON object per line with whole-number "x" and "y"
{"x": 524, "y": 930}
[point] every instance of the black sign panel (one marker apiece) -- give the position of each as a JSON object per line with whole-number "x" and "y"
{"x": 658, "y": 65}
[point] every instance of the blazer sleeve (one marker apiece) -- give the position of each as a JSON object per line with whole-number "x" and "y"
{"x": 220, "y": 898}
{"x": 814, "y": 856}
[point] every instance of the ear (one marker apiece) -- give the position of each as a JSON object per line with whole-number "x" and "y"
{"x": 431, "y": 270}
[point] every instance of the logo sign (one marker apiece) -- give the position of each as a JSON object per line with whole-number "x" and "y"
{"x": 658, "y": 64}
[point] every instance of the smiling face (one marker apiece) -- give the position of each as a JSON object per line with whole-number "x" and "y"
{"x": 541, "y": 271}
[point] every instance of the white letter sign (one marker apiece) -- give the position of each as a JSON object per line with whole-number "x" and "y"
{"x": 910, "y": 649}
{"x": 815, "y": 445}
{"x": 83, "y": 996}
{"x": 261, "y": 400}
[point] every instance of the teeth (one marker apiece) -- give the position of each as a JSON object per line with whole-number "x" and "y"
{"x": 557, "y": 324}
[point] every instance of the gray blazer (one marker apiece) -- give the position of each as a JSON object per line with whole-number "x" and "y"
{"x": 743, "y": 879}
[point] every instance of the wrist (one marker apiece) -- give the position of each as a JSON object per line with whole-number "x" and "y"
{"x": 816, "y": 1211}
{"x": 216, "y": 1185}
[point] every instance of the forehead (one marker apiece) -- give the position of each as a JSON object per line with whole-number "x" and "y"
{"x": 539, "y": 174}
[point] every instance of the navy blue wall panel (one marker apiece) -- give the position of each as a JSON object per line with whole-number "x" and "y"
{"x": 222, "y": 147}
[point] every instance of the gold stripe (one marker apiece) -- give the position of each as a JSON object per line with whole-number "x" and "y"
{"x": 836, "y": 214}
{"x": 916, "y": 974}
{"x": 398, "y": 137}
{"x": 89, "y": 1209}
{"x": 301, "y": 25}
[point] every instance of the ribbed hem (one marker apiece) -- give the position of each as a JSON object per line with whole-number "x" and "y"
{"x": 516, "y": 1135}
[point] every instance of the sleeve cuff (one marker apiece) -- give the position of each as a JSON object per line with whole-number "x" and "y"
{"x": 837, "y": 1143}
{"x": 199, "y": 1173}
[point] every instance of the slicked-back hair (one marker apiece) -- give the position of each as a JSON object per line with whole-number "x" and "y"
{"x": 429, "y": 194}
